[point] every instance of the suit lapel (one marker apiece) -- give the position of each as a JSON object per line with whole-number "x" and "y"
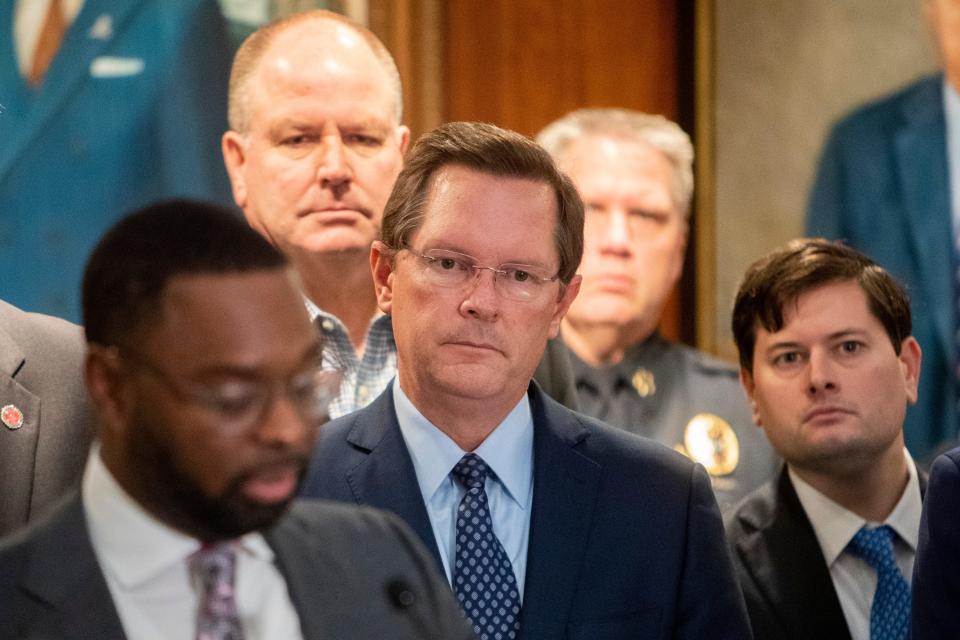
{"x": 63, "y": 576}
{"x": 565, "y": 490}
{"x": 17, "y": 447}
{"x": 385, "y": 477}
{"x": 66, "y": 74}
{"x": 921, "y": 157}
{"x": 785, "y": 559}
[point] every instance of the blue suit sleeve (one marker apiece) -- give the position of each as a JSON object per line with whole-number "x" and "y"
{"x": 710, "y": 604}
{"x": 936, "y": 570}
{"x": 826, "y": 208}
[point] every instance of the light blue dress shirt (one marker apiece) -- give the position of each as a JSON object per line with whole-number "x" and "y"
{"x": 508, "y": 452}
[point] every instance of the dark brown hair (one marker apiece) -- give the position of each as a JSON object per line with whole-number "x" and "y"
{"x": 492, "y": 150}
{"x": 780, "y": 277}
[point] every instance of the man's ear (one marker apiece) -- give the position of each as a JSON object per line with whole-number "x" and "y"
{"x": 105, "y": 386}
{"x": 746, "y": 381}
{"x": 381, "y": 264}
{"x": 910, "y": 359}
{"x": 563, "y": 304}
{"x": 234, "y": 148}
{"x": 404, "y": 134}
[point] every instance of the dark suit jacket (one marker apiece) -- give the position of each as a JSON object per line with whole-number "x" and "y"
{"x": 784, "y": 577}
{"x": 625, "y": 537}
{"x": 41, "y": 374}
{"x": 131, "y": 110}
{"x": 883, "y": 186}
{"x": 554, "y": 374}
{"x": 936, "y": 571}
{"x": 337, "y": 561}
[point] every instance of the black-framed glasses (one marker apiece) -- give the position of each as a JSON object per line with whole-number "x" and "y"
{"x": 520, "y": 282}
{"x": 245, "y": 402}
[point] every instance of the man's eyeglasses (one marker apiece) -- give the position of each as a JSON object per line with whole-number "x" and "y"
{"x": 521, "y": 282}
{"x": 246, "y": 402}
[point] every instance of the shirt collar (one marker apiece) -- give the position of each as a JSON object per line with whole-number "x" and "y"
{"x": 316, "y": 312}
{"x": 507, "y": 451}
{"x": 121, "y": 530}
{"x": 835, "y": 526}
{"x": 951, "y": 101}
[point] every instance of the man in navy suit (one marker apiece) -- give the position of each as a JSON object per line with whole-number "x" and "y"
{"x": 209, "y": 388}
{"x": 826, "y": 357}
{"x": 889, "y": 184}
{"x": 574, "y": 528}
{"x": 936, "y": 572}
{"x": 129, "y": 110}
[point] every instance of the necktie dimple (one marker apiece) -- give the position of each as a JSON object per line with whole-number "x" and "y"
{"x": 217, "y": 617}
{"x": 51, "y": 35}
{"x": 482, "y": 576}
{"x": 890, "y": 611}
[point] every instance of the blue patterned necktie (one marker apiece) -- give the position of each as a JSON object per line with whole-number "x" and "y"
{"x": 482, "y": 575}
{"x": 217, "y": 617}
{"x": 890, "y": 612}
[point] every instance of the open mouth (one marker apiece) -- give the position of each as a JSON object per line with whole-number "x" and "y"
{"x": 274, "y": 485}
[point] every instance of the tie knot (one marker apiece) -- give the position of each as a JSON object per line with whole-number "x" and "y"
{"x": 214, "y": 563}
{"x": 875, "y": 546}
{"x": 471, "y": 471}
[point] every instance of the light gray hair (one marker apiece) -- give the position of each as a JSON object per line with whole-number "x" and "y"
{"x": 654, "y": 131}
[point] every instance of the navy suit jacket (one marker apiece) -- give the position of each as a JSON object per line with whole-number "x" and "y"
{"x": 131, "y": 110}
{"x": 883, "y": 186}
{"x": 625, "y": 537}
{"x": 936, "y": 571}
{"x": 338, "y": 563}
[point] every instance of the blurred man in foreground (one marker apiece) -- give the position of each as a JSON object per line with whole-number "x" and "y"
{"x": 209, "y": 387}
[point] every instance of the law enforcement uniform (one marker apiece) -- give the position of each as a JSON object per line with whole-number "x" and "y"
{"x": 686, "y": 400}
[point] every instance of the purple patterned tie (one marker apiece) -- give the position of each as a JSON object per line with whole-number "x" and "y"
{"x": 217, "y": 617}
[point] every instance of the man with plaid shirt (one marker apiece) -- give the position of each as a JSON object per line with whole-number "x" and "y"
{"x": 314, "y": 148}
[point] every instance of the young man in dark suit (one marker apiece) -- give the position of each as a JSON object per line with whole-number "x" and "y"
{"x": 826, "y": 357}
{"x": 574, "y": 528}
{"x": 208, "y": 385}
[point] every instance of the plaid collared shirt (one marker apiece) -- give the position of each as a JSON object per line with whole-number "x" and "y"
{"x": 363, "y": 380}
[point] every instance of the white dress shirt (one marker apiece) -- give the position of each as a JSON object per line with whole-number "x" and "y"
{"x": 951, "y": 114}
{"x": 27, "y": 23}
{"x": 145, "y": 563}
{"x": 854, "y": 580}
{"x": 507, "y": 451}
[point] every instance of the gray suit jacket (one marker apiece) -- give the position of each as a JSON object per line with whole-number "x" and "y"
{"x": 344, "y": 567}
{"x": 41, "y": 374}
